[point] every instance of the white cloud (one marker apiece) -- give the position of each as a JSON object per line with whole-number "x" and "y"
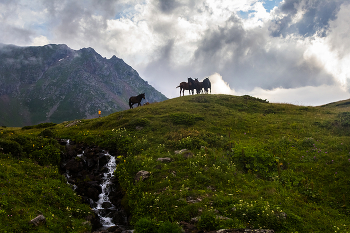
{"x": 40, "y": 41}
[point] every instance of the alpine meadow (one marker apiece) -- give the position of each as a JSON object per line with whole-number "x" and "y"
{"x": 249, "y": 164}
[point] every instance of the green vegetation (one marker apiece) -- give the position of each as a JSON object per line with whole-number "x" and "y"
{"x": 249, "y": 164}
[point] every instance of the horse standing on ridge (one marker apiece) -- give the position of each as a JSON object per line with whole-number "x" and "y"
{"x": 191, "y": 81}
{"x": 206, "y": 85}
{"x": 198, "y": 86}
{"x": 136, "y": 99}
{"x": 184, "y": 86}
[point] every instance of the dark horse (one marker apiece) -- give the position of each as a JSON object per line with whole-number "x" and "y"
{"x": 198, "y": 86}
{"x": 184, "y": 86}
{"x": 191, "y": 81}
{"x": 206, "y": 85}
{"x": 136, "y": 99}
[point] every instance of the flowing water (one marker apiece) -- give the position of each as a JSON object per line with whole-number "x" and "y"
{"x": 103, "y": 207}
{"x": 103, "y": 212}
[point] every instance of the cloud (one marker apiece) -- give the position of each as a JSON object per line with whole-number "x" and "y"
{"x": 297, "y": 45}
{"x": 304, "y": 17}
{"x": 307, "y": 95}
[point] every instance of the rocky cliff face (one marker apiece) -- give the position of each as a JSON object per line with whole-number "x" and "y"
{"x": 54, "y": 83}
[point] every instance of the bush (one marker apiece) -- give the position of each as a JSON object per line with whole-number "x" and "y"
{"x": 255, "y": 160}
{"x": 207, "y": 221}
{"x": 145, "y": 225}
{"x": 168, "y": 227}
{"x": 49, "y": 154}
{"x": 10, "y": 147}
{"x": 47, "y": 133}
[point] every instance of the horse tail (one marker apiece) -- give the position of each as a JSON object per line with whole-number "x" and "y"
{"x": 130, "y": 103}
{"x": 177, "y": 86}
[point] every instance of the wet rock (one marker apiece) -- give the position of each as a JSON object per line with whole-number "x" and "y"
{"x": 120, "y": 218}
{"x": 115, "y": 229}
{"x": 104, "y": 169}
{"x": 106, "y": 205}
{"x": 90, "y": 162}
{"x": 93, "y": 193}
{"x": 74, "y": 166}
{"x": 104, "y": 159}
{"x": 142, "y": 175}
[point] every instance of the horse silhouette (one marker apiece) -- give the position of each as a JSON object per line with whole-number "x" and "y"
{"x": 191, "y": 81}
{"x": 184, "y": 86}
{"x": 206, "y": 85}
{"x": 136, "y": 99}
{"x": 198, "y": 86}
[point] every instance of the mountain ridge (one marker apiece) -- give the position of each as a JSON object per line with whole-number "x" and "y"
{"x": 54, "y": 83}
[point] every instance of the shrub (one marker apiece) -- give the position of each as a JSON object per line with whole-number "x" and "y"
{"x": 207, "y": 221}
{"x": 145, "y": 225}
{"x": 168, "y": 227}
{"x": 49, "y": 154}
{"x": 10, "y": 147}
{"x": 47, "y": 133}
{"x": 255, "y": 160}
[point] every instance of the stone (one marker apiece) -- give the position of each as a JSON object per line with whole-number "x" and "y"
{"x": 38, "y": 220}
{"x": 180, "y": 151}
{"x": 106, "y": 205}
{"x": 164, "y": 160}
{"x": 142, "y": 175}
{"x": 103, "y": 159}
{"x": 74, "y": 166}
{"x": 93, "y": 193}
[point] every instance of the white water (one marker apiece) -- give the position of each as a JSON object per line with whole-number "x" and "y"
{"x": 103, "y": 197}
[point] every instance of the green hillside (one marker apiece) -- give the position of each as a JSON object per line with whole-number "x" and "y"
{"x": 253, "y": 163}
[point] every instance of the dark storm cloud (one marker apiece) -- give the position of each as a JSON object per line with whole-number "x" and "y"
{"x": 168, "y": 6}
{"x": 242, "y": 58}
{"x": 315, "y": 19}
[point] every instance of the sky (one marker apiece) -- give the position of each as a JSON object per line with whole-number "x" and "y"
{"x": 285, "y": 51}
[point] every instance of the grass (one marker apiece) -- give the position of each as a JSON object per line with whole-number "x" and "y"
{"x": 250, "y": 164}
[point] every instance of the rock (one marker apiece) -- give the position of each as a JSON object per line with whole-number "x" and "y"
{"x": 74, "y": 166}
{"x": 38, "y": 220}
{"x": 120, "y": 218}
{"x": 87, "y": 223}
{"x": 115, "y": 229}
{"x": 188, "y": 227}
{"x": 164, "y": 160}
{"x": 106, "y": 205}
{"x": 180, "y": 151}
{"x": 103, "y": 159}
{"x": 142, "y": 175}
{"x": 93, "y": 193}
{"x": 188, "y": 154}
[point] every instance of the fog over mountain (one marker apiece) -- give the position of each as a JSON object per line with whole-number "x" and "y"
{"x": 294, "y": 51}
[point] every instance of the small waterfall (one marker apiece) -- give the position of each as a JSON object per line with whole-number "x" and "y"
{"x": 106, "y": 211}
{"x": 104, "y": 207}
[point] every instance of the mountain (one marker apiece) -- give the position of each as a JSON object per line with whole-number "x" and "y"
{"x": 54, "y": 83}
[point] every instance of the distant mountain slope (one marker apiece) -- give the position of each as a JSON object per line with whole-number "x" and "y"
{"x": 54, "y": 83}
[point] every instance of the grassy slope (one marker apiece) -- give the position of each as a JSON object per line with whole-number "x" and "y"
{"x": 261, "y": 161}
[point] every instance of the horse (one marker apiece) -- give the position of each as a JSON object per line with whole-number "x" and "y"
{"x": 191, "y": 81}
{"x": 136, "y": 99}
{"x": 198, "y": 86}
{"x": 184, "y": 86}
{"x": 206, "y": 85}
